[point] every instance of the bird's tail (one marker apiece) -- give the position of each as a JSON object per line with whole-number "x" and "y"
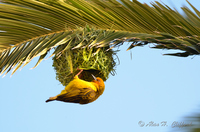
{"x": 51, "y": 99}
{"x": 48, "y": 100}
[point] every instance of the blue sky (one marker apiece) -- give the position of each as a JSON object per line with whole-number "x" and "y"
{"x": 148, "y": 87}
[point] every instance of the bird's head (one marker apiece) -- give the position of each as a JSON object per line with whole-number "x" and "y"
{"x": 99, "y": 82}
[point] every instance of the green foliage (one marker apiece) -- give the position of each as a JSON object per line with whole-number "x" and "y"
{"x": 32, "y": 28}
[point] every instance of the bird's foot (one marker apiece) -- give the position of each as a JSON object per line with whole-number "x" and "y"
{"x": 81, "y": 70}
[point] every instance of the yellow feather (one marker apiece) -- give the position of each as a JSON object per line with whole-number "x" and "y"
{"x": 80, "y": 91}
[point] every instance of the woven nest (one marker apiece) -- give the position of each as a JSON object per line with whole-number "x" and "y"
{"x": 97, "y": 61}
{"x": 100, "y": 64}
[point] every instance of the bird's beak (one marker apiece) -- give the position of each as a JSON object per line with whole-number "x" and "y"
{"x": 94, "y": 77}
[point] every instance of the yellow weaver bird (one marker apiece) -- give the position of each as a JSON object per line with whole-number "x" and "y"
{"x": 80, "y": 91}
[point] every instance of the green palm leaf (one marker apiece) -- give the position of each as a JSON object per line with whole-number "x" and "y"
{"x": 31, "y": 28}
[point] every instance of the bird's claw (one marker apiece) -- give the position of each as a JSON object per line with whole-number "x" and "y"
{"x": 81, "y": 70}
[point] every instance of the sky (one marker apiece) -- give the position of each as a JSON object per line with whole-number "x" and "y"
{"x": 148, "y": 88}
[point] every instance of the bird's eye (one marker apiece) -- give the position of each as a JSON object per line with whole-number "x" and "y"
{"x": 98, "y": 80}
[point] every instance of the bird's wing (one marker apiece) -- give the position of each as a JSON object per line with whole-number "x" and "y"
{"x": 80, "y": 84}
{"x": 83, "y": 95}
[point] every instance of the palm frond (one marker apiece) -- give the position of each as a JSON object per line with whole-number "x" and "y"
{"x": 31, "y": 28}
